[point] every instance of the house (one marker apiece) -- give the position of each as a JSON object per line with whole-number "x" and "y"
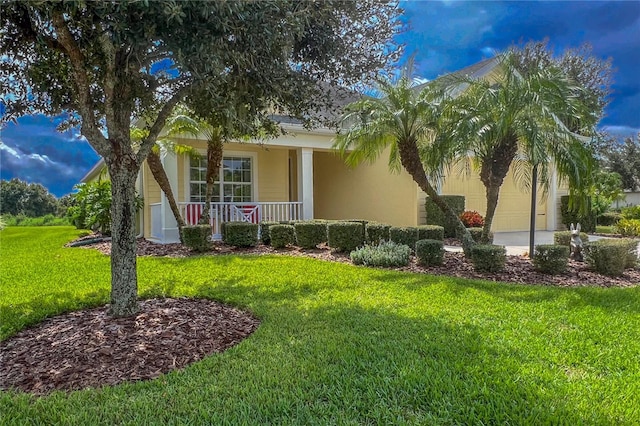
{"x": 299, "y": 176}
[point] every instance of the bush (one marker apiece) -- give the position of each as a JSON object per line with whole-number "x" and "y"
{"x": 488, "y": 258}
{"x": 386, "y": 254}
{"x": 430, "y": 252}
{"x": 345, "y": 236}
{"x": 404, "y": 235}
{"x": 477, "y": 232}
{"x": 364, "y": 226}
{"x": 196, "y": 237}
{"x": 609, "y": 218}
{"x": 91, "y": 206}
{"x": 436, "y": 217}
{"x": 631, "y": 212}
{"x": 376, "y": 233}
{"x": 606, "y": 258}
{"x": 628, "y": 227}
{"x": 630, "y": 247}
{"x": 282, "y": 235}
{"x": 265, "y": 236}
{"x": 551, "y": 258}
{"x": 430, "y": 232}
{"x": 472, "y": 219}
{"x": 310, "y": 233}
{"x": 241, "y": 234}
{"x": 587, "y": 222}
{"x": 563, "y": 238}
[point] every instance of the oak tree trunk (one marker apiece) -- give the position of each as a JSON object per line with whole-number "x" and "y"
{"x": 214, "y": 160}
{"x": 159, "y": 174}
{"x": 123, "y": 170}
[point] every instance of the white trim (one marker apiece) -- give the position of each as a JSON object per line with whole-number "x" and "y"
{"x": 254, "y": 171}
{"x": 305, "y": 181}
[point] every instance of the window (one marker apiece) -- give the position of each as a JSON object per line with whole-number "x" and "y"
{"x": 235, "y": 181}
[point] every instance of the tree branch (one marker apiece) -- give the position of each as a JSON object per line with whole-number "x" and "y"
{"x": 82, "y": 85}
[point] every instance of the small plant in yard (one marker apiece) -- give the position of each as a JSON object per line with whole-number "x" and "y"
{"x": 430, "y": 232}
{"x": 282, "y": 235}
{"x": 628, "y": 227}
{"x": 607, "y": 257}
{"x": 310, "y": 233}
{"x": 488, "y": 258}
{"x": 472, "y": 219}
{"x": 631, "y": 212}
{"x": 404, "y": 235}
{"x": 345, "y": 236}
{"x": 551, "y": 258}
{"x": 376, "y": 233}
{"x": 197, "y": 237}
{"x": 265, "y": 235}
{"x": 241, "y": 234}
{"x": 430, "y": 252}
{"x": 608, "y": 219}
{"x": 477, "y": 232}
{"x": 386, "y": 254}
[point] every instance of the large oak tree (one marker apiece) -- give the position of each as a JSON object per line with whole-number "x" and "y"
{"x": 108, "y": 63}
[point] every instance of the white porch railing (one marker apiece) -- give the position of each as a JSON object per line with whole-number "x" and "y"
{"x": 255, "y": 212}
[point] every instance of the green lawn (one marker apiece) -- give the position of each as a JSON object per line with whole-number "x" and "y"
{"x": 340, "y": 344}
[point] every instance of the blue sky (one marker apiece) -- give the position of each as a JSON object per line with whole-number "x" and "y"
{"x": 445, "y": 35}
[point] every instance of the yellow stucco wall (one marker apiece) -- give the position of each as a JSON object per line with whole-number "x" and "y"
{"x": 513, "y": 212}
{"x": 369, "y": 191}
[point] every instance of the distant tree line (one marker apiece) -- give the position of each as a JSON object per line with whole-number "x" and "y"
{"x": 18, "y": 197}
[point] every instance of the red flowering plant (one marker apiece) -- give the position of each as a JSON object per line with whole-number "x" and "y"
{"x": 472, "y": 219}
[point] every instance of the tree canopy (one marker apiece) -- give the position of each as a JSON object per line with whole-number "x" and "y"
{"x": 108, "y": 63}
{"x": 29, "y": 199}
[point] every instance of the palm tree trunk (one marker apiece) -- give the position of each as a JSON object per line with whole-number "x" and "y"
{"x": 214, "y": 160}
{"x": 159, "y": 174}
{"x": 410, "y": 159}
{"x": 492, "y": 194}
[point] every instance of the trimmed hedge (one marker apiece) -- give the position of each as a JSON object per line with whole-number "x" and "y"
{"x": 265, "y": 235}
{"x": 606, "y": 258}
{"x": 404, "y": 235}
{"x": 376, "y": 233}
{"x": 563, "y": 238}
{"x": 477, "y": 232}
{"x": 241, "y": 234}
{"x": 430, "y": 232}
{"x": 609, "y": 218}
{"x": 386, "y": 254}
{"x": 310, "y": 233}
{"x": 436, "y": 217}
{"x": 430, "y": 252}
{"x": 551, "y": 258}
{"x": 282, "y": 235}
{"x": 488, "y": 258}
{"x": 345, "y": 236}
{"x": 630, "y": 246}
{"x": 587, "y": 222}
{"x": 197, "y": 237}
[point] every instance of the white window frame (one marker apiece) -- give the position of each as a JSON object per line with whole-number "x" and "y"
{"x": 245, "y": 154}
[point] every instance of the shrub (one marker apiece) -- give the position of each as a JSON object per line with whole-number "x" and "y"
{"x": 551, "y": 258}
{"x": 587, "y": 221}
{"x": 430, "y": 252}
{"x": 488, "y": 257}
{"x": 477, "y": 232}
{"x": 630, "y": 246}
{"x": 631, "y": 212}
{"x": 196, "y": 237}
{"x": 265, "y": 236}
{"x": 241, "y": 234}
{"x": 91, "y": 206}
{"x": 563, "y": 238}
{"x": 282, "y": 235}
{"x": 404, "y": 235}
{"x": 609, "y": 218}
{"x": 310, "y": 233}
{"x": 628, "y": 227}
{"x": 345, "y": 236}
{"x": 364, "y": 226}
{"x": 436, "y": 217}
{"x": 472, "y": 219}
{"x": 385, "y": 254}
{"x": 606, "y": 258}
{"x": 430, "y": 232}
{"x": 376, "y": 233}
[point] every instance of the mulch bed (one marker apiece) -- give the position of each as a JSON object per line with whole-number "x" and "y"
{"x": 88, "y": 348}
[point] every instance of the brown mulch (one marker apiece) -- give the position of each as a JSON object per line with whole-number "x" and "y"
{"x": 87, "y": 349}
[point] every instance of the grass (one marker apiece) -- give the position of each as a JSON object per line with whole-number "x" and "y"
{"x": 601, "y": 229}
{"x": 340, "y": 344}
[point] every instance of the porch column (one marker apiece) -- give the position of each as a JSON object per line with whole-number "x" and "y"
{"x": 305, "y": 181}
{"x": 170, "y": 232}
{"x": 552, "y": 201}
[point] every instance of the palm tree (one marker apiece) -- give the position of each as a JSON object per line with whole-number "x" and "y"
{"x": 405, "y": 120}
{"x": 518, "y": 119}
